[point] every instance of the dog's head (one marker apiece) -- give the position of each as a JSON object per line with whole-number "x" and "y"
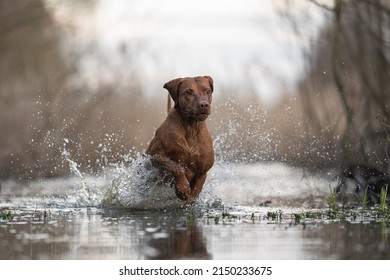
{"x": 192, "y": 96}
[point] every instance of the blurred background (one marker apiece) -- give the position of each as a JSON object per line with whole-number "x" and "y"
{"x": 305, "y": 82}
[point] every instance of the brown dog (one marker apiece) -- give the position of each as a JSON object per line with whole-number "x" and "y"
{"x": 182, "y": 144}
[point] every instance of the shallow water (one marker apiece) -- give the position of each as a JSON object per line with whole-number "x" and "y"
{"x": 65, "y": 219}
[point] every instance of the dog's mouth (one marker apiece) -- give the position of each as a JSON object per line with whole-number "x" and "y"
{"x": 201, "y": 116}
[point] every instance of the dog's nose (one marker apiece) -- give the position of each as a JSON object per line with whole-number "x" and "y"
{"x": 203, "y": 105}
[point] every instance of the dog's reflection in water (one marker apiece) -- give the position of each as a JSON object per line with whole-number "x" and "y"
{"x": 186, "y": 242}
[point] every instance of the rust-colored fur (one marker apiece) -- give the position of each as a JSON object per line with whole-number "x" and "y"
{"x": 182, "y": 144}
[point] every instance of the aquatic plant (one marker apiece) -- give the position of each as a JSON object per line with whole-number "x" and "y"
{"x": 218, "y": 215}
{"x": 228, "y": 216}
{"x": 5, "y": 216}
{"x": 313, "y": 215}
{"x": 364, "y": 200}
{"x": 297, "y": 218}
{"x": 333, "y": 209}
{"x": 274, "y": 215}
{"x": 40, "y": 215}
{"x": 383, "y": 198}
{"x": 332, "y": 200}
{"x": 192, "y": 214}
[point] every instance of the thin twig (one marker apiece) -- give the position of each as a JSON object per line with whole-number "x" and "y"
{"x": 382, "y": 122}
{"x": 322, "y": 5}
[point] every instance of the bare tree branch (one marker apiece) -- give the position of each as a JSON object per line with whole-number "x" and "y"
{"x": 382, "y": 122}
{"x": 315, "y": 2}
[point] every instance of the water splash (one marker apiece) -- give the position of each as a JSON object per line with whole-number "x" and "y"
{"x": 137, "y": 184}
{"x": 243, "y": 136}
{"x": 245, "y": 171}
{"x": 84, "y": 195}
{"x": 140, "y": 185}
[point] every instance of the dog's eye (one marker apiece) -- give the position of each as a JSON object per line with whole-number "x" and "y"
{"x": 208, "y": 91}
{"x": 188, "y": 92}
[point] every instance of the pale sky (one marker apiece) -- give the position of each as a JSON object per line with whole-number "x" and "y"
{"x": 245, "y": 45}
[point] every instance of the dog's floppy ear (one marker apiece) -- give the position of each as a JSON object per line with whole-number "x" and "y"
{"x": 173, "y": 88}
{"x": 210, "y": 81}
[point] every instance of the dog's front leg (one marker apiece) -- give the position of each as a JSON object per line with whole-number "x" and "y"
{"x": 182, "y": 186}
{"x": 196, "y": 187}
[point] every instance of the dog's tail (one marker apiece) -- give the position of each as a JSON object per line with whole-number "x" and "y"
{"x": 169, "y": 105}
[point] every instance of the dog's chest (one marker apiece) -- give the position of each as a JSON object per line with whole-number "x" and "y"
{"x": 198, "y": 143}
{"x": 200, "y": 153}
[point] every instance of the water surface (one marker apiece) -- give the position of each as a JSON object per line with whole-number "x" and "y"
{"x": 60, "y": 219}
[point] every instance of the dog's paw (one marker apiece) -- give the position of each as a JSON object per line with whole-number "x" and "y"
{"x": 182, "y": 195}
{"x": 183, "y": 190}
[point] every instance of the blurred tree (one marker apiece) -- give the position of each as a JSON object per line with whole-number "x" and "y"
{"x": 45, "y": 103}
{"x": 31, "y": 66}
{"x": 346, "y": 86}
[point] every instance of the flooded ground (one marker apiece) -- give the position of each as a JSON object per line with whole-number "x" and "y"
{"x": 245, "y": 212}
